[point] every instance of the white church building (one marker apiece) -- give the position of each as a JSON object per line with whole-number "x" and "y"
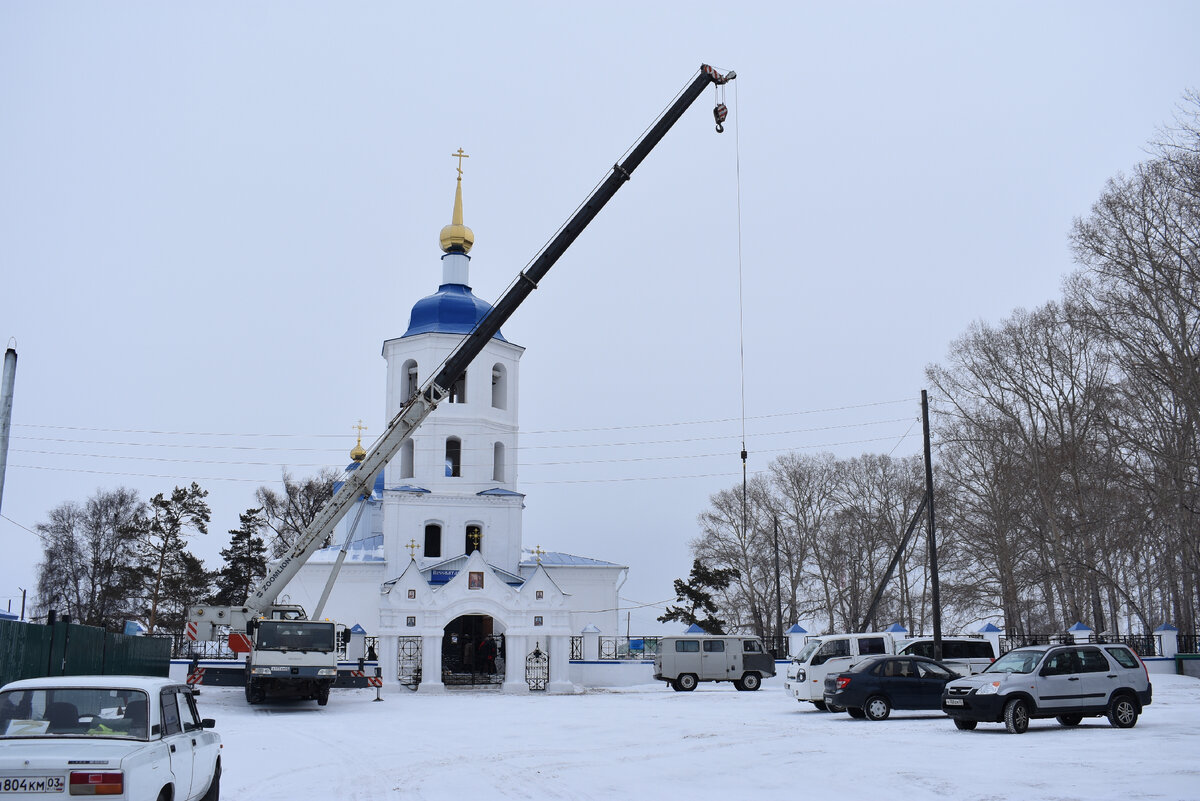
{"x": 436, "y": 566}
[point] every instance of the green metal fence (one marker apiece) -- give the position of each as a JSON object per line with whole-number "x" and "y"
{"x": 29, "y": 650}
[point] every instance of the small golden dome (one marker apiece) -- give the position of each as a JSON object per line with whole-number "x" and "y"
{"x": 457, "y": 239}
{"x": 357, "y": 453}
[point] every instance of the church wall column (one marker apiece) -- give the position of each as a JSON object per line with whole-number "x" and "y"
{"x": 386, "y": 657}
{"x": 516, "y": 648}
{"x": 431, "y": 664}
{"x": 560, "y": 665}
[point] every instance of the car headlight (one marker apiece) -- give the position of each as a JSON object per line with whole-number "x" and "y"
{"x": 327, "y": 672}
{"x": 260, "y": 671}
{"x": 991, "y": 688}
{"x": 800, "y": 675}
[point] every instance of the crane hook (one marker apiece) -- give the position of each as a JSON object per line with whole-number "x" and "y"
{"x": 719, "y": 114}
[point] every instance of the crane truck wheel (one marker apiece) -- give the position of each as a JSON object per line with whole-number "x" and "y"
{"x": 323, "y": 696}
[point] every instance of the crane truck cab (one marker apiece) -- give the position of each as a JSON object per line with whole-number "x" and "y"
{"x": 291, "y": 657}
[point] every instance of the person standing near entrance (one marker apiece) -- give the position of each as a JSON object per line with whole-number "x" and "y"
{"x": 468, "y": 656}
{"x": 489, "y": 650}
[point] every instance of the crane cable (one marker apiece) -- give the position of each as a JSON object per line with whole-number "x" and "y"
{"x": 737, "y": 140}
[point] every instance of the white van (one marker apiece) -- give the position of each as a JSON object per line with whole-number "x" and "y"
{"x": 684, "y": 661}
{"x": 831, "y": 653}
{"x": 964, "y": 655}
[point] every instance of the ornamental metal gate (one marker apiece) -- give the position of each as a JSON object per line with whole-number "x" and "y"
{"x": 537, "y": 668}
{"x": 408, "y": 662}
{"x": 466, "y": 663}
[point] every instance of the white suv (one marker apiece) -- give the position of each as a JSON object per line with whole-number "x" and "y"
{"x": 1067, "y": 682}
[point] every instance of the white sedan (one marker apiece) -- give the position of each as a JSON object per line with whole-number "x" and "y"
{"x": 127, "y": 737}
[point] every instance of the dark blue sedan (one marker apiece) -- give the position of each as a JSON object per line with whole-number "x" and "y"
{"x": 874, "y": 687}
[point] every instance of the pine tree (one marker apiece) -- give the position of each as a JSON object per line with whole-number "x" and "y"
{"x": 162, "y": 558}
{"x": 697, "y": 592}
{"x": 245, "y": 560}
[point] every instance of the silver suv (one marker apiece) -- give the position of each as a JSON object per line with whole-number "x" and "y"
{"x": 1066, "y": 682}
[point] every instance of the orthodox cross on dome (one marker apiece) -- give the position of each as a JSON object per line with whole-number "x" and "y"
{"x": 358, "y": 454}
{"x": 539, "y": 553}
{"x": 456, "y": 237}
{"x": 412, "y": 549}
{"x": 460, "y": 155}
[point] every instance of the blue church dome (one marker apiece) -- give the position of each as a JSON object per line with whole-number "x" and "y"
{"x": 453, "y": 309}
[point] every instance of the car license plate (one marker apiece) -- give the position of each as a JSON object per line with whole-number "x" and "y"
{"x": 31, "y": 784}
{"x": 954, "y": 702}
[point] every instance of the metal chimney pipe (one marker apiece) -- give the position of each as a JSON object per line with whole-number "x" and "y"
{"x": 6, "y": 401}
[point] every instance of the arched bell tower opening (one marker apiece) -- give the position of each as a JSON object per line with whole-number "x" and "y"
{"x": 472, "y": 652}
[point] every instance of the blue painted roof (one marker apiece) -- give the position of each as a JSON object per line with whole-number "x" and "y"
{"x": 410, "y": 488}
{"x": 1079, "y": 627}
{"x": 695, "y": 629}
{"x": 796, "y": 629}
{"x": 896, "y": 627}
{"x": 453, "y": 309}
{"x": 990, "y": 627}
{"x": 501, "y": 492}
{"x": 1166, "y": 627}
{"x": 357, "y": 629}
{"x": 554, "y": 559}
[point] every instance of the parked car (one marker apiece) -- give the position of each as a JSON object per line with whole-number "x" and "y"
{"x": 684, "y": 661}
{"x": 128, "y": 737}
{"x": 963, "y": 655}
{"x": 876, "y": 686}
{"x": 830, "y": 653}
{"x": 1067, "y": 682}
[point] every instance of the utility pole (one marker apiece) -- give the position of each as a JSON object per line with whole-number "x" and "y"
{"x": 778, "y": 594}
{"x": 931, "y": 535}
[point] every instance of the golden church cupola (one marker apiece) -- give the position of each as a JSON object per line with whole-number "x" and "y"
{"x": 456, "y": 237}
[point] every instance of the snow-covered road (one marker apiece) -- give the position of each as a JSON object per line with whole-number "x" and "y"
{"x": 715, "y": 743}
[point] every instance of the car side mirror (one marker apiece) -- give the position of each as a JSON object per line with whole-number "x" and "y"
{"x": 208, "y": 723}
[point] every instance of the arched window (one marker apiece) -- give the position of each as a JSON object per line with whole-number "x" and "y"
{"x": 458, "y": 390}
{"x": 406, "y": 459}
{"x": 453, "y": 457}
{"x": 410, "y": 380}
{"x": 499, "y": 386}
{"x": 498, "y": 462}
{"x": 433, "y": 540}
{"x": 474, "y": 538}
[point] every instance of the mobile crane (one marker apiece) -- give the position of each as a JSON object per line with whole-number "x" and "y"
{"x": 289, "y": 655}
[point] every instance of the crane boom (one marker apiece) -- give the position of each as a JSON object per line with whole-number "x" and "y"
{"x": 359, "y": 482}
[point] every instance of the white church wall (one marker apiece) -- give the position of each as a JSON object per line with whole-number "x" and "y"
{"x": 593, "y": 594}
{"x": 499, "y": 519}
{"x": 355, "y": 594}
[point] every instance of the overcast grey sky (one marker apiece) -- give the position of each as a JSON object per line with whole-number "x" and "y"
{"x": 212, "y": 215}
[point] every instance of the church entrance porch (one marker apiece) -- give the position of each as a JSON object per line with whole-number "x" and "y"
{"x": 473, "y": 653}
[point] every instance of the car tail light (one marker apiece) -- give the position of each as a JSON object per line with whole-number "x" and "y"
{"x": 1143, "y": 661}
{"x": 842, "y": 681}
{"x": 88, "y": 783}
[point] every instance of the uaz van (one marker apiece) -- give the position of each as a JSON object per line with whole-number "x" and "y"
{"x": 684, "y": 661}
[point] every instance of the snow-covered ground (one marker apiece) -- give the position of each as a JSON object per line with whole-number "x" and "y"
{"x": 715, "y": 743}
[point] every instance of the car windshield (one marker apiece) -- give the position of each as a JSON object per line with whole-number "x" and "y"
{"x": 807, "y": 650}
{"x": 74, "y": 712}
{"x": 295, "y": 635}
{"x": 1015, "y": 662}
